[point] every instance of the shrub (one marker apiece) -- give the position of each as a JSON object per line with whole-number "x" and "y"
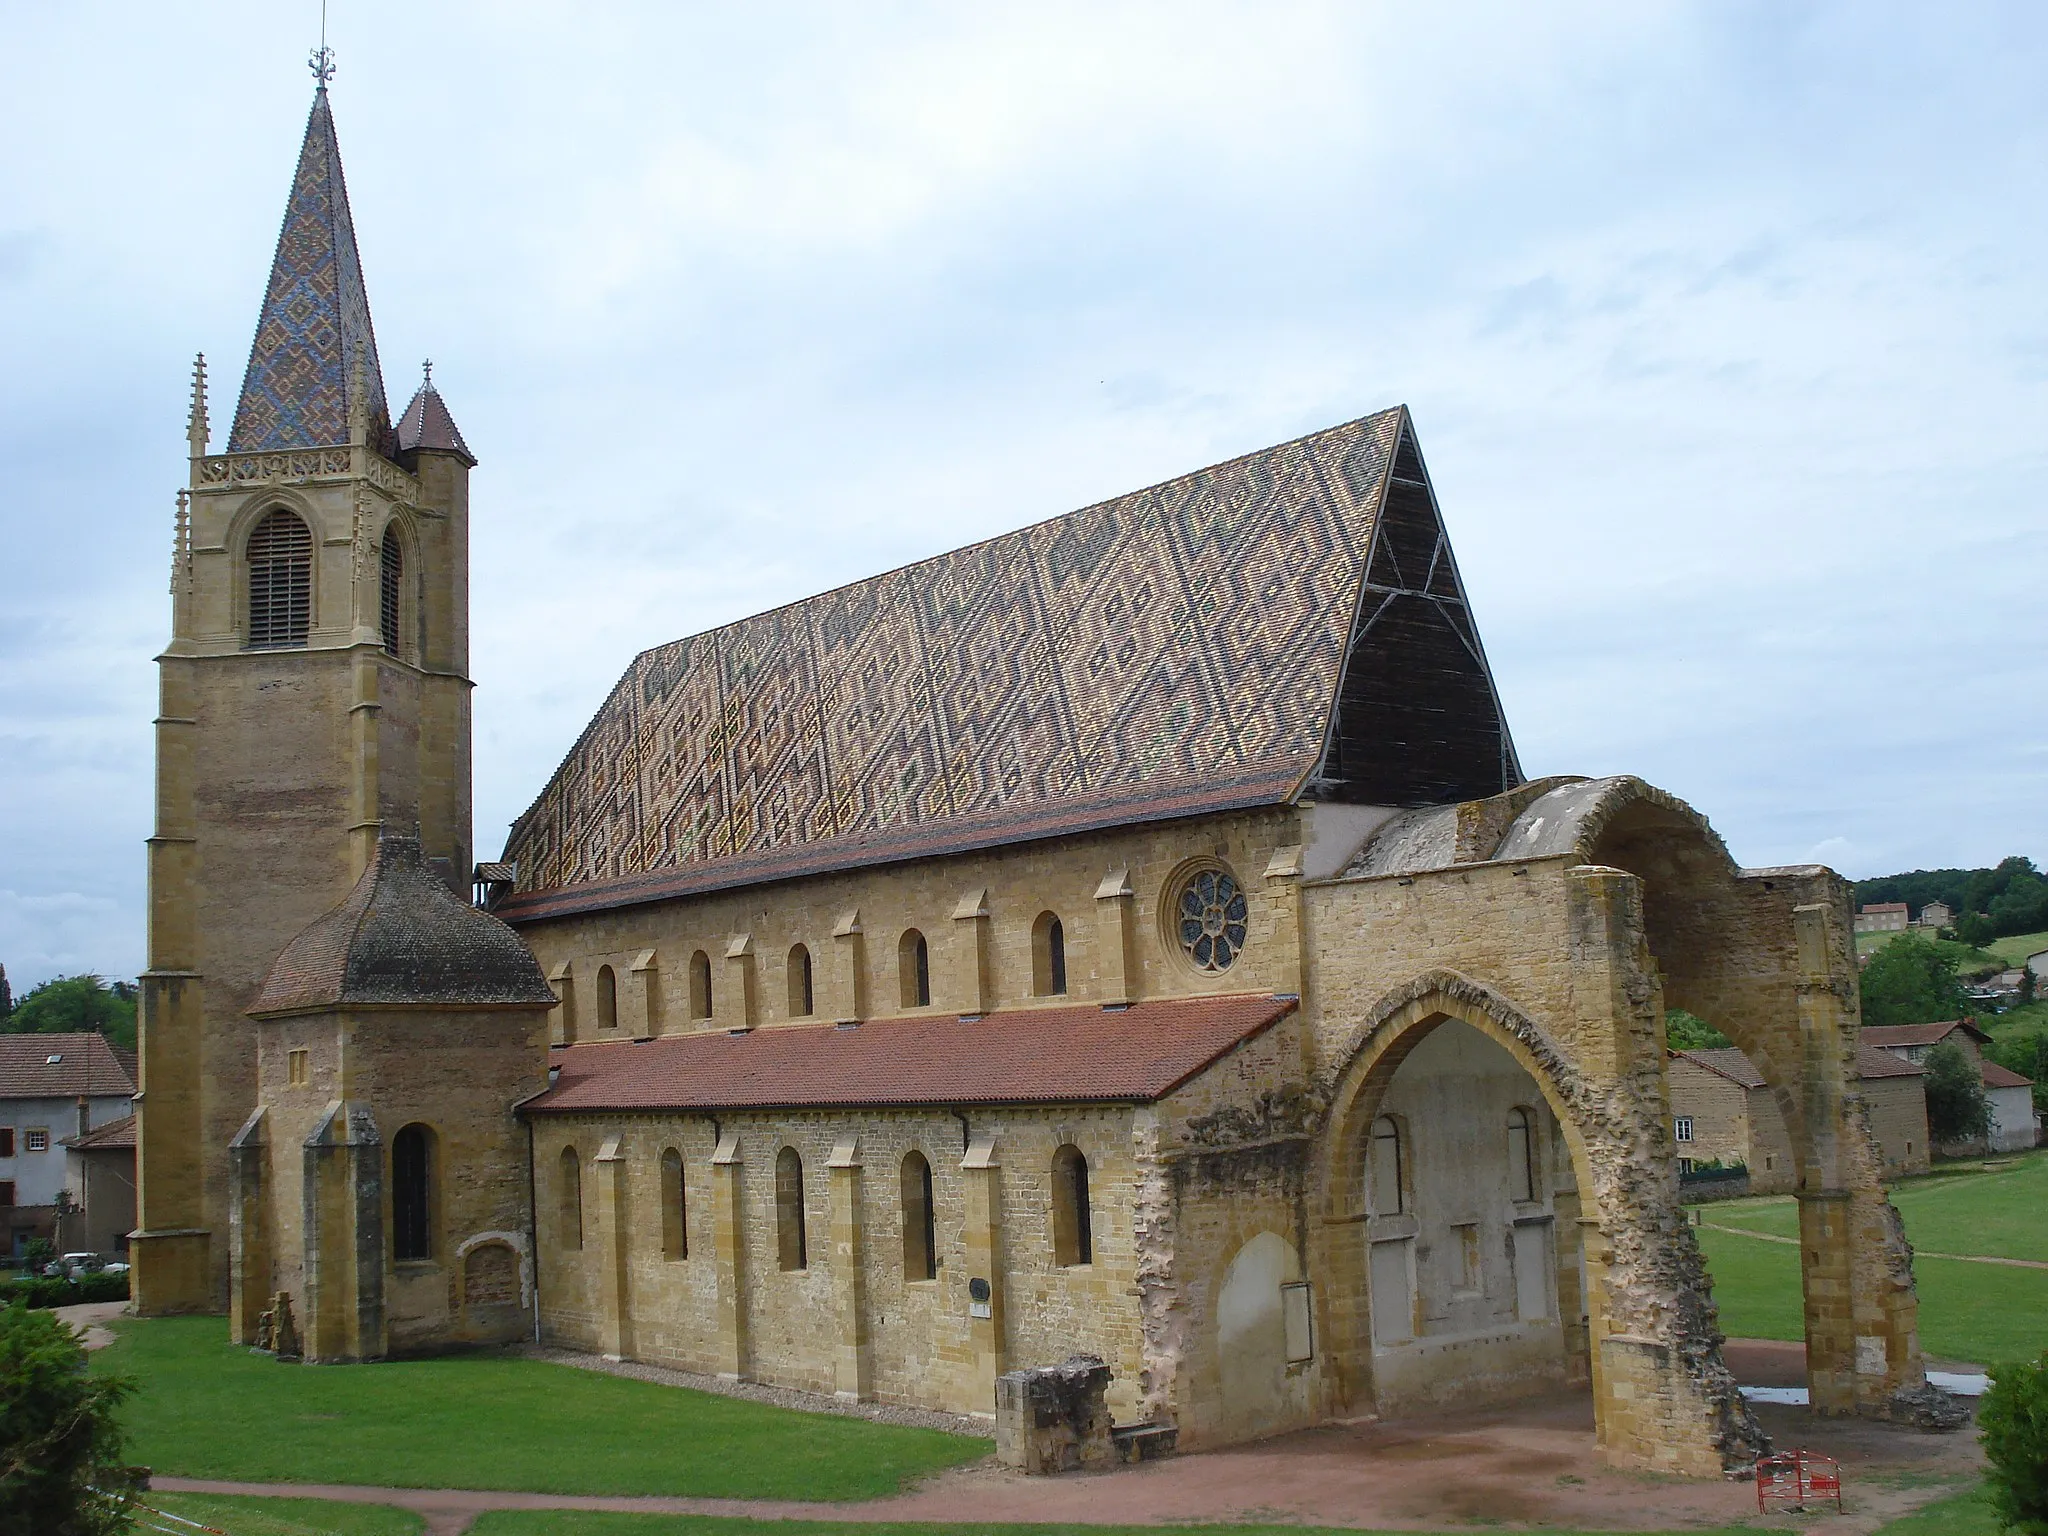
{"x": 1957, "y": 1107}
{"x": 2013, "y": 1424}
{"x": 55, "y": 1291}
{"x": 60, "y": 1439}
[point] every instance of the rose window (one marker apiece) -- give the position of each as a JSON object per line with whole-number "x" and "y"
{"x": 1212, "y": 918}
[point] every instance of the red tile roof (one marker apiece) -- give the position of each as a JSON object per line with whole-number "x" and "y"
{"x": 1884, "y": 906}
{"x": 1081, "y": 1054}
{"x": 427, "y": 424}
{"x": 1740, "y": 1070}
{"x": 85, "y": 1065}
{"x": 1892, "y": 1036}
{"x": 114, "y": 1136}
{"x": 1996, "y": 1076}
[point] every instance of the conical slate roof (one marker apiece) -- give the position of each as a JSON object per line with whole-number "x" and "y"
{"x": 314, "y": 343}
{"x": 427, "y": 424}
{"x": 403, "y": 937}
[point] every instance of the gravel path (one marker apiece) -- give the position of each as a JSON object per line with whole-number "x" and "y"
{"x": 779, "y": 1397}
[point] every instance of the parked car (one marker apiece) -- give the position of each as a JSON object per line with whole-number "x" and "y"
{"x": 73, "y": 1266}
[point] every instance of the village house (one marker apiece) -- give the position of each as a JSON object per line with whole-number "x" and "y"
{"x": 1881, "y": 917}
{"x": 1724, "y": 1111}
{"x": 52, "y": 1087}
{"x": 2014, "y": 1124}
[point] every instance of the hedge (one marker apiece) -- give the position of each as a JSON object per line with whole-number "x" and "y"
{"x": 55, "y": 1291}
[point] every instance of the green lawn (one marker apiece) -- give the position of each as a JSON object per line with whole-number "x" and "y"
{"x": 2015, "y": 948}
{"x": 208, "y": 1409}
{"x": 1979, "y": 1312}
{"x": 284, "y": 1517}
{"x": 2002, "y": 1212}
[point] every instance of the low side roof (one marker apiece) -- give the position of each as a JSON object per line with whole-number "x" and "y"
{"x": 69, "y": 1066}
{"x": 1290, "y": 622}
{"x": 1996, "y": 1076}
{"x": 1740, "y": 1070}
{"x": 1084, "y": 1054}
{"x": 114, "y": 1136}
{"x": 1893, "y": 1035}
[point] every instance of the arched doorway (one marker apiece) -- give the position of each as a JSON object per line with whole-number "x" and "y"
{"x": 1453, "y": 1182}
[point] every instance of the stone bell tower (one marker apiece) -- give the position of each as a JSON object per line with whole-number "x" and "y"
{"x": 315, "y": 690}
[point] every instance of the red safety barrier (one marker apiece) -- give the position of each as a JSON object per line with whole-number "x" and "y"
{"x": 1798, "y": 1478}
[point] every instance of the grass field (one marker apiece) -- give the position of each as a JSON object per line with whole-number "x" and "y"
{"x": 2015, "y": 948}
{"x": 286, "y": 1517}
{"x": 1978, "y": 1312}
{"x": 208, "y": 1409}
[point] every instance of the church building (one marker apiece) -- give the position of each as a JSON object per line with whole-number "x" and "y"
{"x": 1133, "y": 935}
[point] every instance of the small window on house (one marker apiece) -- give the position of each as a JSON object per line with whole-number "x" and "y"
{"x": 297, "y": 1070}
{"x": 791, "y": 1250}
{"x": 920, "y": 1220}
{"x": 569, "y": 1212}
{"x": 700, "y": 985}
{"x": 675, "y": 1209}
{"x": 801, "y": 1000}
{"x": 1685, "y": 1165}
{"x": 1682, "y": 1128}
{"x": 38, "y": 1141}
{"x": 607, "y": 998}
{"x": 412, "y": 1185}
{"x": 1073, "y": 1235}
{"x": 914, "y": 970}
{"x": 1388, "y": 1160}
{"x": 391, "y": 578}
{"x": 6, "y": 1193}
{"x": 280, "y": 557}
{"x": 7, "y": 1143}
{"x": 1048, "y": 956}
{"x": 1522, "y": 1153}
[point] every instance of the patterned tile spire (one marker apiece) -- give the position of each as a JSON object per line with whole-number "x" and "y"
{"x": 314, "y": 343}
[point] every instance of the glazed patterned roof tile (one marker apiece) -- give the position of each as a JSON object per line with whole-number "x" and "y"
{"x": 1176, "y": 651}
{"x": 1083, "y": 1054}
{"x": 314, "y": 340}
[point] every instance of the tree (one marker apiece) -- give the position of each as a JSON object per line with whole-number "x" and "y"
{"x": 71, "y": 1004}
{"x": 2014, "y": 1428}
{"x": 1689, "y": 1032}
{"x": 1957, "y": 1107}
{"x": 60, "y": 1434}
{"x": 1911, "y": 981}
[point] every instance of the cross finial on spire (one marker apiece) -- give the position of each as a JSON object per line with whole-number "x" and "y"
{"x": 321, "y": 59}
{"x": 427, "y": 368}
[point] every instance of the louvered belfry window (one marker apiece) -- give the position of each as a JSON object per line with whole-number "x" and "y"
{"x": 280, "y": 582}
{"x": 394, "y": 569}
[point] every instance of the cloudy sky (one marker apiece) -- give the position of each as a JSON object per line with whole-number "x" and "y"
{"x": 1724, "y": 327}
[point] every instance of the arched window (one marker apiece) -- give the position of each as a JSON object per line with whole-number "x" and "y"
{"x": 920, "y": 1220}
{"x": 801, "y": 1000}
{"x": 675, "y": 1207}
{"x": 390, "y": 578}
{"x": 791, "y": 1251}
{"x": 700, "y": 985}
{"x": 607, "y": 998}
{"x": 412, "y": 1194}
{"x": 1522, "y": 1183}
{"x": 567, "y": 993}
{"x": 1389, "y": 1173}
{"x": 571, "y": 1198}
{"x": 914, "y": 970}
{"x": 280, "y": 582}
{"x": 1073, "y": 1231}
{"x": 1048, "y": 956}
